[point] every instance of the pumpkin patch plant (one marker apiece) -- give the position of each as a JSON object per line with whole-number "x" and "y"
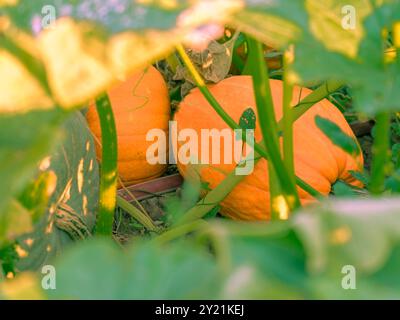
{"x": 307, "y": 89}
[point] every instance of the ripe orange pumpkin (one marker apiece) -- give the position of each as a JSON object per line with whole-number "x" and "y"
{"x": 140, "y": 103}
{"x": 317, "y": 160}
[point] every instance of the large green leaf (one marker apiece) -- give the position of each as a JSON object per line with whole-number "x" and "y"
{"x": 101, "y": 270}
{"x": 278, "y": 262}
{"x": 300, "y": 258}
{"x": 106, "y": 39}
{"x": 319, "y": 31}
{"x": 71, "y": 211}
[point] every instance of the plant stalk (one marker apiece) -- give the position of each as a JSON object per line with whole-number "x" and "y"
{"x": 380, "y": 151}
{"x": 109, "y": 174}
{"x": 287, "y": 120}
{"x": 267, "y": 121}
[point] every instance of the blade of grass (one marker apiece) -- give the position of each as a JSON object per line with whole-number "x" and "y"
{"x": 109, "y": 175}
{"x": 142, "y": 218}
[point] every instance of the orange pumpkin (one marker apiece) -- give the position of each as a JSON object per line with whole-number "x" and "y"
{"x": 317, "y": 160}
{"x": 140, "y": 103}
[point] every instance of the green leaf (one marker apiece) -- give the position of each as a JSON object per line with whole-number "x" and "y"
{"x": 342, "y": 189}
{"x": 357, "y": 232}
{"x": 100, "y": 270}
{"x": 356, "y": 56}
{"x": 362, "y": 234}
{"x": 275, "y": 23}
{"x": 337, "y": 136}
{"x": 279, "y": 261}
{"x": 25, "y": 139}
{"x": 15, "y": 221}
{"x": 248, "y": 119}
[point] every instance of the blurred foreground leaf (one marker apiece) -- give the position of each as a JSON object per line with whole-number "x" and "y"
{"x": 101, "y": 270}
{"x": 25, "y": 140}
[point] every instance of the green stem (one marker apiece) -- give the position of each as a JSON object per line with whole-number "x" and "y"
{"x": 213, "y": 198}
{"x": 142, "y": 218}
{"x": 274, "y": 193}
{"x": 267, "y": 120}
{"x": 380, "y": 151}
{"x": 255, "y": 228}
{"x": 316, "y": 96}
{"x": 204, "y": 90}
{"x": 180, "y": 231}
{"x": 287, "y": 121}
{"x": 307, "y": 188}
{"x": 108, "y": 178}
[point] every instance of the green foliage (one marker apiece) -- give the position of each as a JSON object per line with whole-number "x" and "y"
{"x": 101, "y": 270}
{"x": 248, "y": 119}
{"x": 300, "y": 258}
{"x": 356, "y": 56}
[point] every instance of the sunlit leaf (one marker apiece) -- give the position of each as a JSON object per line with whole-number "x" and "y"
{"x": 25, "y": 287}
{"x": 15, "y": 77}
{"x": 75, "y": 73}
{"x": 331, "y": 23}
{"x": 24, "y": 141}
{"x": 322, "y": 32}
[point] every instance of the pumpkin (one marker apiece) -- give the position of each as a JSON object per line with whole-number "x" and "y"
{"x": 71, "y": 211}
{"x": 317, "y": 160}
{"x": 140, "y": 103}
